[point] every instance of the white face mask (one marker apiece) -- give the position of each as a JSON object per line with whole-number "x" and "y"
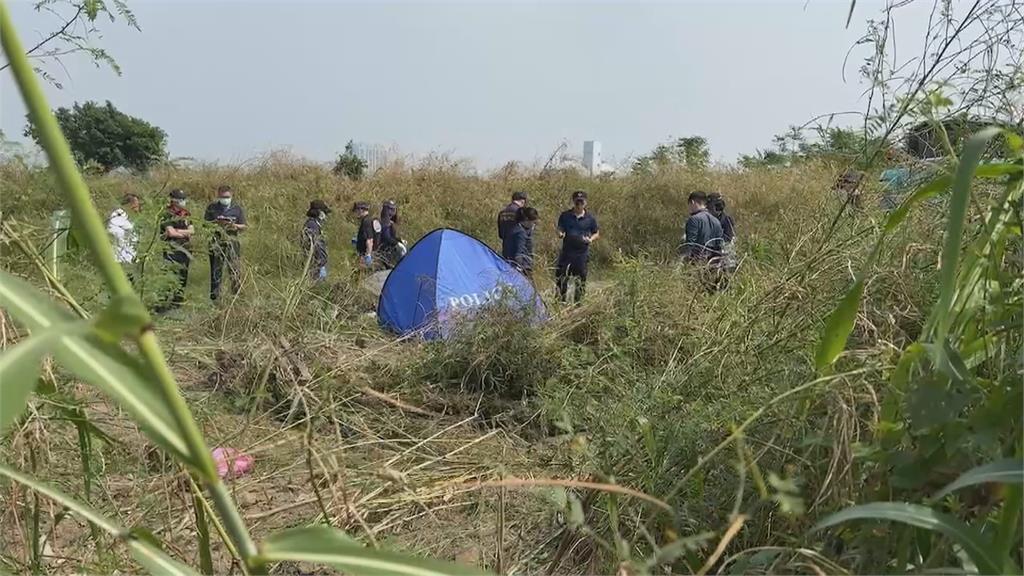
{"x": 225, "y": 201}
{"x": 179, "y": 202}
{"x": 321, "y": 216}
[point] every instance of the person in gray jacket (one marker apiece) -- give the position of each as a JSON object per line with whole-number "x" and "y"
{"x": 703, "y": 239}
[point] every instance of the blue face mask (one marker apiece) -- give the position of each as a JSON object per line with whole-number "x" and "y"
{"x": 225, "y": 201}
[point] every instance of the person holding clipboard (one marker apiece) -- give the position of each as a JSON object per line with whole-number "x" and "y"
{"x": 228, "y": 219}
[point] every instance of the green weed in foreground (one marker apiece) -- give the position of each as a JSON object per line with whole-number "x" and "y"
{"x": 142, "y": 383}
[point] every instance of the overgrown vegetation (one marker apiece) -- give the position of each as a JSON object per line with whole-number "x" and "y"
{"x": 863, "y": 367}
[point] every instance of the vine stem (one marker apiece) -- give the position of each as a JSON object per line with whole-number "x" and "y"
{"x": 90, "y": 226}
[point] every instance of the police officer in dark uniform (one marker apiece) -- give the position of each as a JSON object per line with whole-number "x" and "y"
{"x": 313, "y": 240}
{"x": 229, "y": 219}
{"x": 368, "y": 235}
{"x": 176, "y": 230}
{"x": 578, "y": 229}
{"x": 507, "y": 221}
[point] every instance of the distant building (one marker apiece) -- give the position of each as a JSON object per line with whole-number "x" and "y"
{"x": 592, "y": 157}
{"x": 376, "y": 156}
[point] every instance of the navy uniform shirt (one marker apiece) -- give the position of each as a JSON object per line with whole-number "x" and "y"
{"x": 176, "y": 218}
{"x": 703, "y": 236}
{"x": 506, "y": 219}
{"x": 521, "y": 239}
{"x": 369, "y": 229}
{"x": 217, "y": 211}
{"x": 575, "y": 228}
{"x": 313, "y": 239}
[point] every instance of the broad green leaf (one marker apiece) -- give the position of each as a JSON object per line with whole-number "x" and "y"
{"x": 19, "y": 371}
{"x": 897, "y": 216}
{"x": 839, "y": 325}
{"x": 941, "y": 315}
{"x": 145, "y": 552}
{"x": 325, "y": 545}
{"x": 125, "y": 379}
{"x": 1006, "y": 471}
{"x": 124, "y": 316}
{"x": 27, "y": 305}
{"x": 973, "y": 543}
{"x": 102, "y": 364}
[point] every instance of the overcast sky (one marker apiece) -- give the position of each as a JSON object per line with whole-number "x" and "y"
{"x": 492, "y": 82}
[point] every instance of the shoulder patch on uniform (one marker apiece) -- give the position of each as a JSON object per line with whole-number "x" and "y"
{"x": 376, "y": 226}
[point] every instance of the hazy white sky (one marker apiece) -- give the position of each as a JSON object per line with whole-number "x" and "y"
{"x": 493, "y": 82}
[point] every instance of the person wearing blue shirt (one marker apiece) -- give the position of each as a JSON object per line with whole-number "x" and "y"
{"x": 520, "y": 239}
{"x": 507, "y": 221}
{"x": 578, "y": 229}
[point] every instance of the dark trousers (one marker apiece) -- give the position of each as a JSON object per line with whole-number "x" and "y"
{"x": 221, "y": 254}
{"x": 571, "y": 266}
{"x": 180, "y": 262}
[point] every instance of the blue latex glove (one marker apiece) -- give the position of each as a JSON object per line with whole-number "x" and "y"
{"x": 367, "y": 260}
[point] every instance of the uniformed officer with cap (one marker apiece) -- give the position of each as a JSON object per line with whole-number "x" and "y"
{"x": 177, "y": 230}
{"x": 313, "y": 239}
{"x": 578, "y": 229}
{"x": 507, "y": 223}
{"x": 368, "y": 235}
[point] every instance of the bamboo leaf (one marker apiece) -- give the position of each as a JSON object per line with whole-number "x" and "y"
{"x": 101, "y": 363}
{"x": 973, "y": 543}
{"x": 146, "y": 553}
{"x": 1005, "y": 471}
{"x": 839, "y": 325}
{"x": 74, "y": 505}
{"x": 941, "y": 316}
{"x": 324, "y": 545}
{"x": 897, "y": 216}
{"x": 19, "y": 371}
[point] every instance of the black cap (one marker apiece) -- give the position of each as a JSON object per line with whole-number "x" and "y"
{"x": 390, "y": 203}
{"x": 320, "y": 206}
{"x": 519, "y": 195}
{"x": 579, "y": 195}
{"x": 360, "y": 206}
{"x": 177, "y": 194}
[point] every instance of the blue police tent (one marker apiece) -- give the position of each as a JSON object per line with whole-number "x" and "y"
{"x": 447, "y": 275}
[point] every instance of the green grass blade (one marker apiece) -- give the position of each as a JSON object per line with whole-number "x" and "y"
{"x": 156, "y": 561}
{"x": 74, "y": 505}
{"x": 1005, "y": 471}
{"x": 941, "y": 315}
{"x": 839, "y": 325}
{"x": 897, "y": 216}
{"x": 325, "y": 545}
{"x": 976, "y": 546}
{"x": 146, "y": 553}
{"x": 19, "y": 371}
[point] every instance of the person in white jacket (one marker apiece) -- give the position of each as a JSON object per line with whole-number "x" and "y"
{"x": 119, "y": 226}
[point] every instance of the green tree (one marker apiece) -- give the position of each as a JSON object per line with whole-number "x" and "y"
{"x": 691, "y": 151}
{"x": 101, "y": 134}
{"x": 349, "y": 165}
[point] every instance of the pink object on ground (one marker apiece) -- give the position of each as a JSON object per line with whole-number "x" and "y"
{"x": 231, "y": 463}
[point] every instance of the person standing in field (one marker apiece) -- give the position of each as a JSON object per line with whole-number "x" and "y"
{"x": 121, "y": 228}
{"x": 367, "y": 236}
{"x": 578, "y": 229}
{"x": 703, "y": 232}
{"x": 313, "y": 240}
{"x": 726, "y": 263}
{"x": 521, "y": 237}
{"x": 176, "y": 230}
{"x": 507, "y": 221}
{"x": 228, "y": 219}
{"x": 392, "y": 247}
